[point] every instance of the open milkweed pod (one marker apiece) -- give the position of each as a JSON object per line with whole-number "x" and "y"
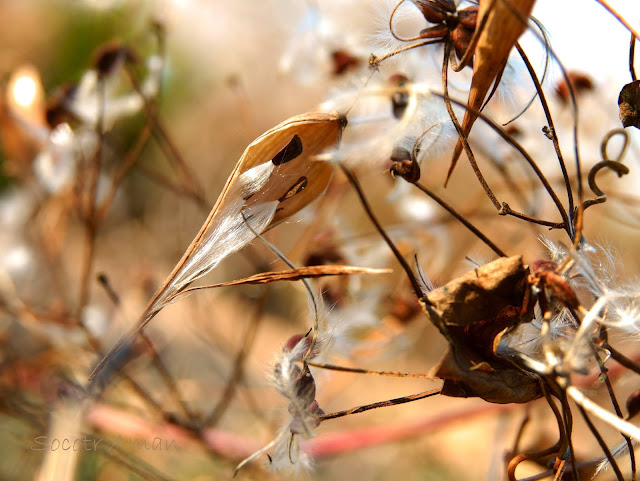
{"x": 277, "y": 175}
{"x": 502, "y": 28}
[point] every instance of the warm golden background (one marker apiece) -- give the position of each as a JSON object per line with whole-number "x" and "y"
{"x": 233, "y": 70}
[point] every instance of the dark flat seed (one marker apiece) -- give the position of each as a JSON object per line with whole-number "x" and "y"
{"x": 292, "y": 150}
{"x": 299, "y": 186}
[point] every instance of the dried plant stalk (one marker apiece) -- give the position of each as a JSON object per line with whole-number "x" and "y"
{"x": 294, "y": 275}
{"x": 502, "y": 28}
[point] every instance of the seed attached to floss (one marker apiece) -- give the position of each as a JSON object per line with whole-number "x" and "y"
{"x": 260, "y": 192}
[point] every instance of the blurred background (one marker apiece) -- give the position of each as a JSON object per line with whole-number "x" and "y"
{"x": 75, "y": 274}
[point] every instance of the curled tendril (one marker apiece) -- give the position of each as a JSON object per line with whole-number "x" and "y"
{"x": 608, "y": 137}
{"x": 547, "y": 58}
{"x": 616, "y": 165}
{"x": 392, "y": 31}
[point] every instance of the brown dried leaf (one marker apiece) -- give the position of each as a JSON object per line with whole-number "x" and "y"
{"x": 629, "y": 104}
{"x": 500, "y": 33}
{"x": 295, "y": 275}
{"x": 470, "y": 312}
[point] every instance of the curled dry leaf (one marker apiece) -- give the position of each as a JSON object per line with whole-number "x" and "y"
{"x": 471, "y": 311}
{"x": 502, "y": 28}
{"x": 295, "y": 275}
{"x": 629, "y": 104}
{"x": 277, "y": 175}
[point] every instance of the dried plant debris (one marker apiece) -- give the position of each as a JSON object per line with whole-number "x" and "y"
{"x": 90, "y": 164}
{"x": 503, "y": 23}
{"x": 578, "y": 81}
{"x": 470, "y": 312}
{"x": 277, "y": 175}
{"x": 629, "y": 104}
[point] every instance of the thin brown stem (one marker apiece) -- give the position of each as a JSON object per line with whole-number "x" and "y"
{"x": 192, "y": 186}
{"x": 554, "y": 136}
{"x": 130, "y": 160}
{"x": 547, "y": 56}
{"x": 376, "y": 61}
{"x": 462, "y": 220}
{"x": 616, "y": 407}
{"x": 574, "y": 230}
{"x": 568, "y": 425}
{"x": 237, "y": 373}
{"x": 523, "y": 424}
{"x": 622, "y": 359}
{"x": 365, "y": 204}
{"x": 461, "y": 134}
{"x": 618, "y": 17}
{"x": 602, "y": 444}
{"x": 103, "y": 280}
{"x": 514, "y": 143}
{"x": 509, "y": 182}
{"x": 546, "y": 474}
{"x": 632, "y": 57}
{"x": 89, "y": 211}
{"x": 377, "y": 405}
{"x": 506, "y": 210}
{"x": 355, "y": 370}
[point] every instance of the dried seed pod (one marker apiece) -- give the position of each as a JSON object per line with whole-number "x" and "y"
{"x": 468, "y": 17}
{"x": 432, "y": 12}
{"x": 500, "y": 33}
{"x": 580, "y": 82}
{"x": 305, "y": 387}
{"x": 445, "y": 5}
{"x": 461, "y": 38}
{"x": 555, "y": 283}
{"x": 404, "y": 166}
{"x": 471, "y": 312}
{"x": 277, "y": 175}
{"x": 629, "y": 104}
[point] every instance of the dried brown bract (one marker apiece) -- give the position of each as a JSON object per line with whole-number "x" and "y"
{"x": 450, "y": 24}
{"x": 343, "y": 62}
{"x": 629, "y": 104}
{"x": 502, "y": 24}
{"x": 404, "y": 165}
{"x": 579, "y": 81}
{"x": 471, "y": 311}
